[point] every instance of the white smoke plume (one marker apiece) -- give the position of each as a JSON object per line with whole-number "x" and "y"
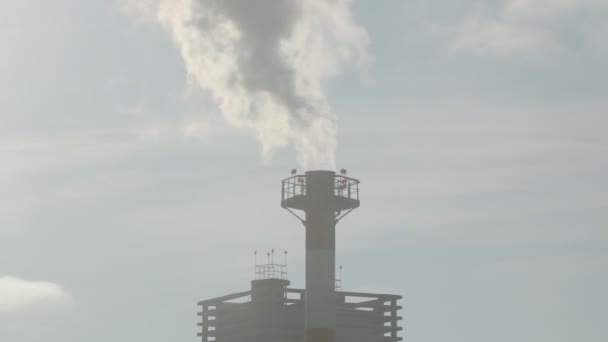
{"x": 265, "y": 63}
{"x": 17, "y": 295}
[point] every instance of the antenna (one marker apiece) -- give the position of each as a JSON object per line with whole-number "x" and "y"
{"x": 339, "y": 280}
{"x": 285, "y": 253}
{"x": 271, "y": 269}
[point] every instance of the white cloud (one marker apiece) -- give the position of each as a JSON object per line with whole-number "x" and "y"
{"x": 115, "y": 82}
{"x": 163, "y": 131}
{"x": 136, "y": 109}
{"x": 144, "y": 9}
{"x": 525, "y": 27}
{"x": 150, "y": 133}
{"x": 544, "y": 8}
{"x": 501, "y": 37}
{"x": 195, "y": 129}
{"x": 18, "y": 295}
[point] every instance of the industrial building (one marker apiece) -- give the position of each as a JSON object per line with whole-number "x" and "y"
{"x": 271, "y": 311}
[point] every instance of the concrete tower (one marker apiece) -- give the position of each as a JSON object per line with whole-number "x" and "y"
{"x": 325, "y": 198}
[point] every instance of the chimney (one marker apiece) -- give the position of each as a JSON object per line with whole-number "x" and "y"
{"x": 325, "y": 198}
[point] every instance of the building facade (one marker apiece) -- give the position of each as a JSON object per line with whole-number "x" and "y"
{"x": 271, "y": 311}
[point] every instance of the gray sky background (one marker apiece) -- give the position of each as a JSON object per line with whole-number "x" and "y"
{"x": 478, "y": 132}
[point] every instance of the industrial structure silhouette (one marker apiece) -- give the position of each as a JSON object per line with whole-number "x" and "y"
{"x": 271, "y": 311}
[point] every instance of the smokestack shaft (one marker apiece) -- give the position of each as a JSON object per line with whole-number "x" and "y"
{"x": 320, "y": 305}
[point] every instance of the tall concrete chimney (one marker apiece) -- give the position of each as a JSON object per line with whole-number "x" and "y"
{"x": 325, "y": 198}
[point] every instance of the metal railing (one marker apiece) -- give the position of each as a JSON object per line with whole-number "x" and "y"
{"x": 271, "y": 271}
{"x": 346, "y": 187}
{"x": 293, "y": 186}
{"x": 343, "y": 187}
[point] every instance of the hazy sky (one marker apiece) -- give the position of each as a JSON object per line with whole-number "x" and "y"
{"x": 478, "y": 130}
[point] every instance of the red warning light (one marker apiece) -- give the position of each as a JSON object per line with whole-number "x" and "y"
{"x": 300, "y": 179}
{"x": 343, "y": 180}
{"x": 294, "y": 171}
{"x": 343, "y": 171}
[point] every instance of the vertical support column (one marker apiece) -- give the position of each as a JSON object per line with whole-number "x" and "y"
{"x": 320, "y": 304}
{"x": 205, "y": 324}
{"x": 394, "y": 320}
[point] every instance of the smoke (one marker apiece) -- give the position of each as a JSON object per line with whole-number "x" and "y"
{"x": 17, "y": 295}
{"x": 265, "y": 63}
